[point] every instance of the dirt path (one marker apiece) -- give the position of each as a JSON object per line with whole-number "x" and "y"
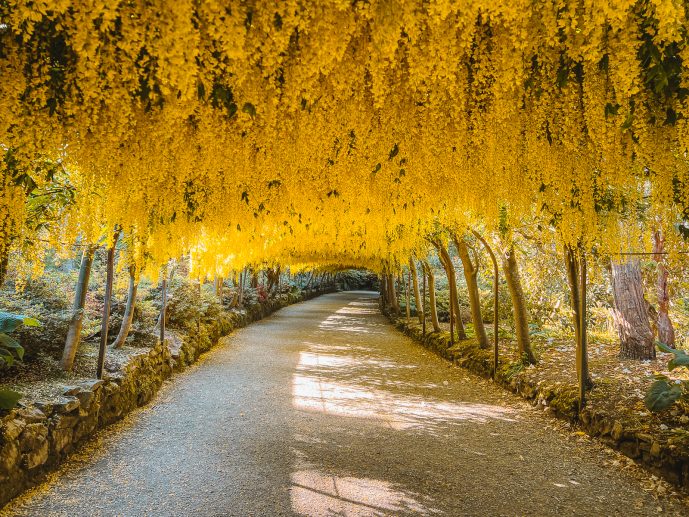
{"x": 325, "y": 409}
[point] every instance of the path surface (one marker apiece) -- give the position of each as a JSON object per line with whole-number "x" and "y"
{"x": 325, "y": 409}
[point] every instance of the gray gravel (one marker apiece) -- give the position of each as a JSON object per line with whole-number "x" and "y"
{"x": 325, "y": 409}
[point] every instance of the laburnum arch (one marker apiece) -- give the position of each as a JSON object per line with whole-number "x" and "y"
{"x": 341, "y": 131}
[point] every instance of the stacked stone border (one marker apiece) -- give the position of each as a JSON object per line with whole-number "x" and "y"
{"x": 663, "y": 453}
{"x": 36, "y": 438}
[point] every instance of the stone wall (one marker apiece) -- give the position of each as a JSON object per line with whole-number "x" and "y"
{"x": 36, "y": 438}
{"x": 661, "y": 451}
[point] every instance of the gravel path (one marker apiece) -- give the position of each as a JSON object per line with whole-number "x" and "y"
{"x": 325, "y": 409}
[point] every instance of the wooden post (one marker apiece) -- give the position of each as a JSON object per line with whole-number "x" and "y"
{"x": 105, "y": 319}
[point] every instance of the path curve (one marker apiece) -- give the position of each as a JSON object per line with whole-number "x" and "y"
{"x": 325, "y": 409}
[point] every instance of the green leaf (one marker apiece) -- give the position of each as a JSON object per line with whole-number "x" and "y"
{"x": 8, "y": 398}
{"x": 681, "y": 357}
{"x": 31, "y": 322}
{"x": 662, "y": 395}
{"x": 7, "y": 357}
{"x": 665, "y": 348}
{"x": 8, "y": 343}
{"x": 10, "y": 322}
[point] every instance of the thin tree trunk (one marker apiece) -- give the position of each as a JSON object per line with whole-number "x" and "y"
{"x": 415, "y": 280}
{"x": 431, "y": 295}
{"x": 521, "y": 318}
{"x": 630, "y": 312}
{"x": 446, "y": 261}
{"x": 496, "y": 279}
{"x": 582, "y": 346}
{"x": 666, "y": 331}
{"x": 107, "y": 302}
{"x": 470, "y": 275}
{"x": 407, "y": 296}
{"x": 163, "y": 305}
{"x": 128, "y": 310}
{"x": 575, "y": 264}
{"x": 4, "y": 263}
{"x": 74, "y": 330}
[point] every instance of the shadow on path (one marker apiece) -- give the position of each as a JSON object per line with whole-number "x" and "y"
{"x": 325, "y": 409}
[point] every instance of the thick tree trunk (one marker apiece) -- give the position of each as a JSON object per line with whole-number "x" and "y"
{"x": 666, "y": 332}
{"x": 521, "y": 317}
{"x": 431, "y": 296}
{"x": 128, "y": 310}
{"x": 470, "y": 275}
{"x": 446, "y": 261}
{"x": 630, "y": 312}
{"x": 74, "y": 330}
{"x": 417, "y": 293}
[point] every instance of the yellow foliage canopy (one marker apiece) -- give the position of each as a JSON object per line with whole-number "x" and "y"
{"x": 342, "y": 131}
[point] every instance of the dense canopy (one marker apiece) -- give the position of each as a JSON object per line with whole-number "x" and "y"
{"x": 339, "y": 131}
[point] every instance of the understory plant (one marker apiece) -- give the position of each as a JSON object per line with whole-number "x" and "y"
{"x": 664, "y": 392}
{"x": 11, "y": 351}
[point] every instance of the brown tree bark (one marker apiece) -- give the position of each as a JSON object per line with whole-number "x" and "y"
{"x": 74, "y": 330}
{"x": 107, "y": 302}
{"x": 630, "y": 311}
{"x": 392, "y": 294}
{"x": 521, "y": 317}
{"x": 496, "y": 280}
{"x": 470, "y": 275}
{"x": 128, "y": 317}
{"x": 431, "y": 295}
{"x": 417, "y": 293}
{"x": 666, "y": 331}
{"x": 446, "y": 262}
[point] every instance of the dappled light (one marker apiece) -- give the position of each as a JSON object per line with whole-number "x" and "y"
{"x": 351, "y": 382}
{"x": 315, "y": 493}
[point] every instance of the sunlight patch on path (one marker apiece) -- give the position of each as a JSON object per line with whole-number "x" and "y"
{"x": 316, "y": 493}
{"x": 349, "y": 381}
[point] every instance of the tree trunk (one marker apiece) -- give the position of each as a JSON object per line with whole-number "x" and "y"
{"x": 576, "y": 277}
{"x": 219, "y": 284}
{"x": 431, "y": 295}
{"x": 74, "y": 330}
{"x": 4, "y": 264}
{"x": 417, "y": 294}
{"x": 392, "y": 294}
{"x": 407, "y": 296}
{"x": 128, "y": 310}
{"x": 163, "y": 305}
{"x": 630, "y": 312}
{"x": 470, "y": 275}
{"x": 666, "y": 332}
{"x": 496, "y": 279}
{"x": 383, "y": 291}
{"x": 521, "y": 317}
{"x": 446, "y": 261}
{"x": 107, "y": 302}
{"x": 254, "y": 279}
